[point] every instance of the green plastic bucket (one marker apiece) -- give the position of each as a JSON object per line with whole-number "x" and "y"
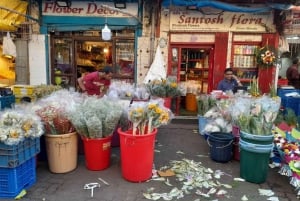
{"x": 257, "y": 139}
{"x": 254, "y": 161}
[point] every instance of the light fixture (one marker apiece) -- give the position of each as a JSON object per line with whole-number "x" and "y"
{"x": 63, "y": 3}
{"x": 121, "y": 4}
{"x": 106, "y": 33}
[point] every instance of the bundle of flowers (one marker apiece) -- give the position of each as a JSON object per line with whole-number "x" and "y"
{"x": 125, "y": 90}
{"x": 43, "y": 90}
{"x": 163, "y": 88}
{"x": 55, "y": 121}
{"x": 15, "y": 126}
{"x": 255, "y": 115}
{"x": 95, "y": 118}
{"x": 52, "y": 110}
{"x": 265, "y": 57}
{"x": 147, "y": 116}
{"x": 205, "y": 102}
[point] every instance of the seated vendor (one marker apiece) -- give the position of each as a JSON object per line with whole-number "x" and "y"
{"x": 229, "y": 82}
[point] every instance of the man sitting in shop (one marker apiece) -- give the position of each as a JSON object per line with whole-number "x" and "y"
{"x": 230, "y": 81}
{"x": 96, "y": 83}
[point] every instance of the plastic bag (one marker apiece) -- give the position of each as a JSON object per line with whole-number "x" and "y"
{"x": 9, "y": 48}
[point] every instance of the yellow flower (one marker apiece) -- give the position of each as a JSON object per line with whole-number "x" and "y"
{"x": 13, "y": 134}
{"x": 27, "y": 126}
{"x": 173, "y": 84}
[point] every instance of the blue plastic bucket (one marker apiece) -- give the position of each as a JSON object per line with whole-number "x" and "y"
{"x": 221, "y": 145}
{"x": 254, "y": 161}
{"x": 256, "y": 139}
{"x": 202, "y": 121}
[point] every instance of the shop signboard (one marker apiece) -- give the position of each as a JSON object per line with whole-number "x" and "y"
{"x": 89, "y": 9}
{"x": 182, "y": 19}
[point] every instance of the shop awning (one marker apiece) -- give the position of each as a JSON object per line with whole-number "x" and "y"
{"x": 228, "y": 6}
{"x": 12, "y": 14}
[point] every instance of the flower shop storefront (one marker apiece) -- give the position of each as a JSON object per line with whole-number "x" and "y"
{"x": 86, "y": 36}
{"x": 202, "y": 47}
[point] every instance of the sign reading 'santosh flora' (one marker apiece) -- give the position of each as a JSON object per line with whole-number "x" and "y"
{"x": 182, "y": 19}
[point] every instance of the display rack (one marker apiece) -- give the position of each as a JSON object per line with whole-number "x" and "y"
{"x": 195, "y": 66}
{"x": 244, "y": 62}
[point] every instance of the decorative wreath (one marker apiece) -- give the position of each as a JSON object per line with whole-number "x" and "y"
{"x": 265, "y": 57}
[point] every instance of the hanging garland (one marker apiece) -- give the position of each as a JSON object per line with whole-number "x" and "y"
{"x": 265, "y": 57}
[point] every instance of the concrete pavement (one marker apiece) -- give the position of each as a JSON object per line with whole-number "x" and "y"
{"x": 176, "y": 141}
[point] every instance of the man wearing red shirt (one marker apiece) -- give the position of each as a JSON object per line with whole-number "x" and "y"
{"x": 96, "y": 83}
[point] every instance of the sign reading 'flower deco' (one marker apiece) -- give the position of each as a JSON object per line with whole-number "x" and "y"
{"x": 265, "y": 57}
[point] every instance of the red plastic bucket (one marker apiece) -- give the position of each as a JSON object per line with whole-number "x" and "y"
{"x": 168, "y": 102}
{"x": 97, "y": 152}
{"x": 137, "y": 155}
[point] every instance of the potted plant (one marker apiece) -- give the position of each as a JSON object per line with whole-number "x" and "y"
{"x": 95, "y": 120}
{"x": 164, "y": 88}
{"x": 137, "y": 143}
{"x": 61, "y": 139}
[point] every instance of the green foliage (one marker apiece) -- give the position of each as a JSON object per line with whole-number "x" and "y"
{"x": 205, "y": 102}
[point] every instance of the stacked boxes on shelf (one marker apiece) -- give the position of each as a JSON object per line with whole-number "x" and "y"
{"x": 24, "y": 93}
{"x": 18, "y": 167}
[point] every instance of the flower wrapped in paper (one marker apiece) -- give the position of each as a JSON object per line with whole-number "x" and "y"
{"x": 255, "y": 115}
{"x": 148, "y": 115}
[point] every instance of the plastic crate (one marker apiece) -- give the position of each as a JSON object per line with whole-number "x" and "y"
{"x": 20, "y": 98}
{"x": 7, "y": 102}
{"x": 282, "y": 94}
{"x": 24, "y": 90}
{"x": 14, "y": 180}
{"x": 12, "y": 156}
{"x": 294, "y": 104}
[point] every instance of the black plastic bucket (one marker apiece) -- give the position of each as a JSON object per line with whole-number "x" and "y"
{"x": 221, "y": 145}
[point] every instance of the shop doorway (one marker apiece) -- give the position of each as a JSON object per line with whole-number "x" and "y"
{"x": 193, "y": 66}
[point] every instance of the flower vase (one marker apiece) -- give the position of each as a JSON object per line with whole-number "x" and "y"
{"x": 97, "y": 152}
{"x": 61, "y": 152}
{"x": 137, "y": 155}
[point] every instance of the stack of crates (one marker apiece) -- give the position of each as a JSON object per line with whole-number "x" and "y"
{"x": 24, "y": 92}
{"x": 18, "y": 167}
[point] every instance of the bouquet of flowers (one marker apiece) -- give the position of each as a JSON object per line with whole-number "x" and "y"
{"x": 148, "y": 115}
{"x": 95, "y": 118}
{"x": 164, "y": 88}
{"x": 265, "y": 57}
{"x": 15, "y": 126}
{"x": 52, "y": 110}
{"x": 255, "y": 115}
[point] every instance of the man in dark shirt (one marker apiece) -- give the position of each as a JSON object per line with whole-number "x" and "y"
{"x": 229, "y": 82}
{"x": 292, "y": 74}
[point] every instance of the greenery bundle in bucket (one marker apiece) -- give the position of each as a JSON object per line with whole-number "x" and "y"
{"x": 95, "y": 121}
{"x": 205, "y": 102}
